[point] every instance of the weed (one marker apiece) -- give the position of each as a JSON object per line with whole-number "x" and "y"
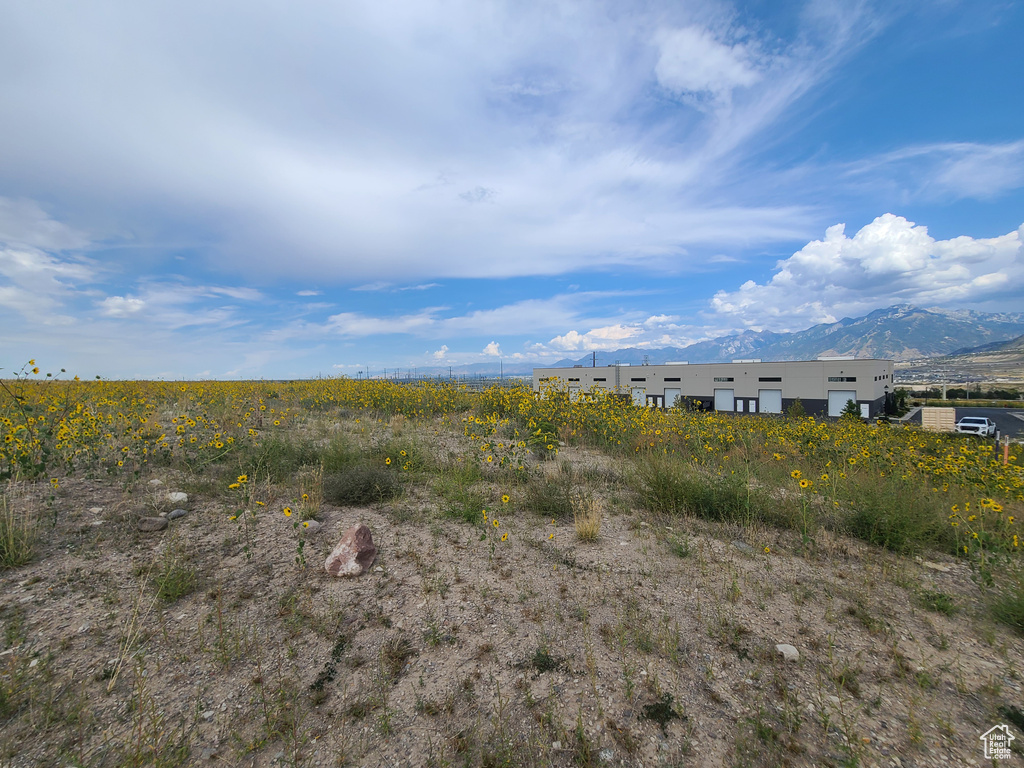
{"x": 311, "y": 490}
{"x": 542, "y": 660}
{"x": 18, "y": 535}
{"x": 551, "y": 495}
{"x": 174, "y": 577}
{"x": 395, "y": 651}
{"x": 662, "y": 712}
{"x": 360, "y": 484}
{"x": 586, "y": 514}
{"x": 330, "y": 669}
{"x": 679, "y": 547}
{"x": 1008, "y": 605}
{"x": 936, "y": 601}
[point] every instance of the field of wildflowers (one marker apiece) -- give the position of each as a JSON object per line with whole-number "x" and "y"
{"x": 55, "y": 429}
{"x": 506, "y": 477}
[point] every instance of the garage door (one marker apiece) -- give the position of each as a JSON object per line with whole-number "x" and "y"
{"x": 671, "y": 395}
{"x": 724, "y": 400}
{"x": 837, "y": 400}
{"x": 771, "y": 400}
{"x": 639, "y": 396}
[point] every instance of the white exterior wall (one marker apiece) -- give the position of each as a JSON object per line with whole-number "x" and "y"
{"x": 807, "y": 379}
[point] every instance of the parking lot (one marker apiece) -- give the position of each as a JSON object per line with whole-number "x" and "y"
{"x": 1009, "y": 421}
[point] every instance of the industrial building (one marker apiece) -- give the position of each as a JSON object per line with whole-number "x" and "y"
{"x": 743, "y": 386}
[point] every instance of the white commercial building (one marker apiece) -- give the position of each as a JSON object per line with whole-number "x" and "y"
{"x": 823, "y": 386}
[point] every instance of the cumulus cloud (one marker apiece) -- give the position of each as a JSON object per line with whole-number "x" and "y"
{"x": 653, "y": 332}
{"x": 120, "y": 306}
{"x": 440, "y": 354}
{"x": 891, "y": 260}
{"x": 492, "y": 349}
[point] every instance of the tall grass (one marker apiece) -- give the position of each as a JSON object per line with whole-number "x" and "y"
{"x": 898, "y": 515}
{"x": 669, "y": 486}
{"x": 18, "y": 535}
{"x": 586, "y": 517}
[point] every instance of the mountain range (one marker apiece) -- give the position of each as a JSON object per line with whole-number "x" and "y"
{"x": 899, "y": 333}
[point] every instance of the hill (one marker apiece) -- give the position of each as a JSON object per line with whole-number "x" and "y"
{"x": 899, "y": 333}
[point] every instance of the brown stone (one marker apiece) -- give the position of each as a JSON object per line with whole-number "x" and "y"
{"x": 354, "y": 554}
{"x": 150, "y": 524}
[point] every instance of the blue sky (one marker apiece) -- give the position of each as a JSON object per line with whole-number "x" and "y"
{"x": 238, "y": 190}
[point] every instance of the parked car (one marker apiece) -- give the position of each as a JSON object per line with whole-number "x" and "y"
{"x": 976, "y": 425}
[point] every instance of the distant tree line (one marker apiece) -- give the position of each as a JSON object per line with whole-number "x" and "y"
{"x": 967, "y": 393}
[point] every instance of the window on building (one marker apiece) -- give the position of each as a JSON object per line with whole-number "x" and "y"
{"x": 723, "y": 378}
{"x": 769, "y": 378}
{"x": 842, "y": 378}
{"x": 600, "y": 379}
{"x": 671, "y": 378}
{"x": 640, "y": 379}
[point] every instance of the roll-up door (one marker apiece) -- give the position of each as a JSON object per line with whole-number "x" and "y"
{"x": 724, "y": 400}
{"x": 771, "y": 400}
{"x": 671, "y": 395}
{"x": 837, "y": 399}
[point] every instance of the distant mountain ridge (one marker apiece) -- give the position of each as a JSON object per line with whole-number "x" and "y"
{"x": 901, "y": 332}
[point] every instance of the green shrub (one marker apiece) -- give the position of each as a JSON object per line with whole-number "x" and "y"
{"x": 174, "y": 578}
{"x": 460, "y": 500}
{"x": 670, "y": 487}
{"x": 551, "y": 495}
{"x": 339, "y": 455}
{"x": 360, "y": 484}
{"x": 280, "y": 459}
{"x": 902, "y": 519}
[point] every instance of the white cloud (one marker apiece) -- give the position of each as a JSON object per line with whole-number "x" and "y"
{"x": 947, "y": 170}
{"x": 24, "y": 224}
{"x": 492, "y": 349}
{"x": 120, "y": 306}
{"x": 357, "y": 175}
{"x": 693, "y": 62}
{"x": 308, "y": 293}
{"x": 891, "y": 260}
{"x": 440, "y": 354}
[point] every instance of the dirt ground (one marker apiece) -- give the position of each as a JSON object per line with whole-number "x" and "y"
{"x": 655, "y": 645}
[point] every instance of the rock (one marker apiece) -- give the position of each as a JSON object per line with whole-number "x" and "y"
{"x": 309, "y": 527}
{"x": 156, "y": 482}
{"x": 176, "y": 513}
{"x": 742, "y": 546}
{"x": 96, "y": 510}
{"x": 606, "y": 755}
{"x": 787, "y": 652}
{"x": 150, "y": 524}
{"x": 177, "y": 497}
{"x": 354, "y": 554}
{"x": 936, "y": 567}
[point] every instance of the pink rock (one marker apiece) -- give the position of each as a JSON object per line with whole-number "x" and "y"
{"x": 354, "y": 554}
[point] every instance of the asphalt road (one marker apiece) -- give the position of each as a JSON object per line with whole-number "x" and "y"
{"x": 1009, "y": 421}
